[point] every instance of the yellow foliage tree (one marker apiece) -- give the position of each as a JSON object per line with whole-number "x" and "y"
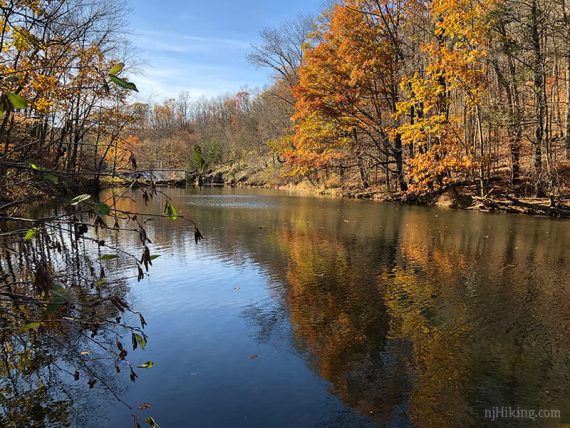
{"x": 455, "y": 73}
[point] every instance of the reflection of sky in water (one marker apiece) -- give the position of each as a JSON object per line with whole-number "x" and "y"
{"x": 223, "y": 353}
{"x": 231, "y": 201}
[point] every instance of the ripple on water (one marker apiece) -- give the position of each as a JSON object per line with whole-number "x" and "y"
{"x": 357, "y": 313}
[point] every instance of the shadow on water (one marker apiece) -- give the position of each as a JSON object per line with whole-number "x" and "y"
{"x": 314, "y": 312}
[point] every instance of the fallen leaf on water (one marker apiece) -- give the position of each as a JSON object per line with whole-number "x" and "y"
{"x": 145, "y": 406}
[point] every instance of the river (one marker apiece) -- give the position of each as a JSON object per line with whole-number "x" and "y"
{"x": 313, "y": 312}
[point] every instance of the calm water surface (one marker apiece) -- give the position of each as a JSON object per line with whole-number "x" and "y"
{"x": 307, "y": 312}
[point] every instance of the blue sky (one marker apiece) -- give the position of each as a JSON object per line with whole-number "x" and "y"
{"x": 200, "y": 46}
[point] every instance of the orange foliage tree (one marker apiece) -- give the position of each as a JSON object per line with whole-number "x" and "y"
{"x": 348, "y": 90}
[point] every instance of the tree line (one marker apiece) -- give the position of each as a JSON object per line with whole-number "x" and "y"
{"x": 414, "y": 96}
{"x": 409, "y": 96}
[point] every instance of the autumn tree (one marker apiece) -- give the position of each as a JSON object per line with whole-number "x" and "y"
{"x": 56, "y": 60}
{"x": 62, "y": 107}
{"x": 436, "y": 94}
{"x": 351, "y": 78}
{"x": 445, "y": 101}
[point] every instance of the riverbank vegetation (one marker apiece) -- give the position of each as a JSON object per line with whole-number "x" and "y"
{"x": 65, "y": 323}
{"x": 64, "y": 119}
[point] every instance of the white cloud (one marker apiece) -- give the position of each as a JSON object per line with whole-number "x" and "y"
{"x": 199, "y": 80}
{"x": 183, "y": 43}
{"x": 201, "y": 66}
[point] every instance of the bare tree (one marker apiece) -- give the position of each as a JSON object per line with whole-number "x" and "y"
{"x": 281, "y": 49}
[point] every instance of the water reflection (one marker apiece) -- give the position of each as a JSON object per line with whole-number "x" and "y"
{"x": 411, "y": 316}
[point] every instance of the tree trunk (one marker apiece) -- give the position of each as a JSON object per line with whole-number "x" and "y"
{"x": 400, "y": 163}
{"x": 567, "y": 141}
{"x": 362, "y": 172}
{"x": 360, "y": 162}
{"x": 567, "y": 24}
{"x": 482, "y": 166}
{"x": 539, "y": 100}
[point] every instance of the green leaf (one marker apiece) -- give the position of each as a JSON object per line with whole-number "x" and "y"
{"x": 123, "y": 83}
{"x": 147, "y": 365}
{"x": 34, "y": 166}
{"x": 154, "y": 257}
{"x": 171, "y": 212}
{"x": 108, "y": 257}
{"x": 102, "y": 209}
{"x": 17, "y": 101}
{"x": 31, "y": 326}
{"x": 59, "y": 297}
{"x": 152, "y": 423}
{"x": 141, "y": 341}
{"x": 31, "y": 234}
{"x": 198, "y": 159}
{"x": 117, "y": 69}
{"x": 51, "y": 178}
{"x": 81, "y": 198}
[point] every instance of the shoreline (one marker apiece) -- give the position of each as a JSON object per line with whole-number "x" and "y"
{"x": 501, "y": 198}
{"x": 458, "y": 197}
